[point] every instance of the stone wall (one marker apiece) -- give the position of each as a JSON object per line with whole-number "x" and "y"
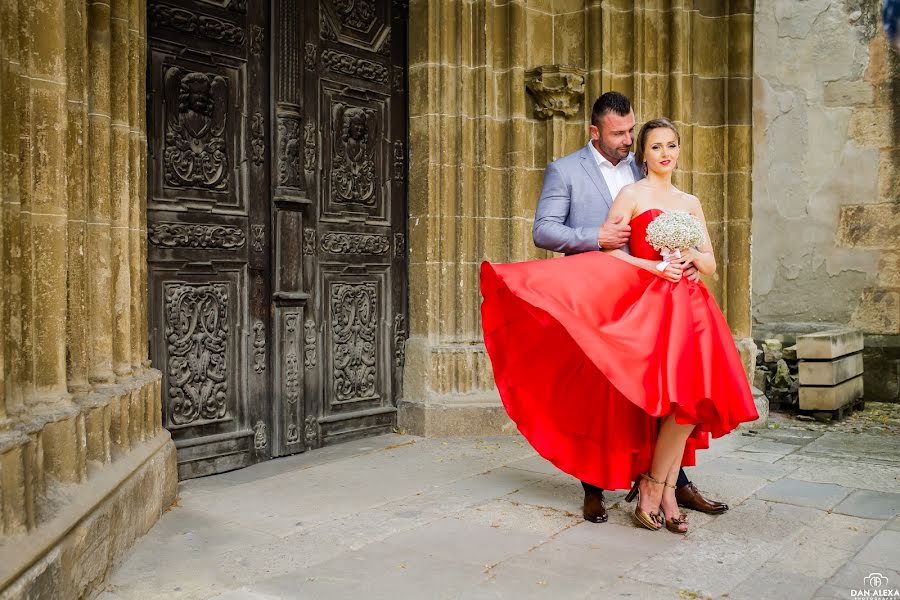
{"x": 79, "y": 405}
{"x": 826, "y": 205}
{"x": 484, "y": 122}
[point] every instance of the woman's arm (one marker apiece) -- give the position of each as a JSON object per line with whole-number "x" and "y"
{"x": 702, "y": 256}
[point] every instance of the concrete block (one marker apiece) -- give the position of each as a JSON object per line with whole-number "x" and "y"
{"x": 831, "y": 372}
{"x": 831, "y": 398}
{"x": 829, "y": 344}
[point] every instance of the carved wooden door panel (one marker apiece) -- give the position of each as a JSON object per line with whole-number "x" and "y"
{"x": 208, "y": 228}
{"x": 344, "y": 196}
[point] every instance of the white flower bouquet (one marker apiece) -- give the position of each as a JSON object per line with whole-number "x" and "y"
{"x": 670, "y": 232}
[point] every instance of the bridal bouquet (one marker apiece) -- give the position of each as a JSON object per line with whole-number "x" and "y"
{"x": 670, "y": 232}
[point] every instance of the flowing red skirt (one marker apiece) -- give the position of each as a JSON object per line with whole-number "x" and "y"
{"x": 589, "y": 352}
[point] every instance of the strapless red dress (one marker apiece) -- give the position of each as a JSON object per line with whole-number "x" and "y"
{"x": 589, "y": 351}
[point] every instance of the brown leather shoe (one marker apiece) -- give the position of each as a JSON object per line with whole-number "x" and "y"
{"x": 690, "y": 497}
{"x": 594, "y": 510}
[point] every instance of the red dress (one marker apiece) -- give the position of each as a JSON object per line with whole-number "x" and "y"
{"x": 588, "y": 351}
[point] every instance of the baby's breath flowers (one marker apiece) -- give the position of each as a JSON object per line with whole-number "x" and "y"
{"x": 671, "y": 231}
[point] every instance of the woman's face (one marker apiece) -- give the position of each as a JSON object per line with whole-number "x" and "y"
{"x": 661, "y": 150}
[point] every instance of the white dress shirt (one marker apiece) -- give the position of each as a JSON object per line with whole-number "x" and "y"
{"x": 616, "y": 176}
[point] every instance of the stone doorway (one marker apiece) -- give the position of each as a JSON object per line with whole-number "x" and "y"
{"x": 276, "y": 213}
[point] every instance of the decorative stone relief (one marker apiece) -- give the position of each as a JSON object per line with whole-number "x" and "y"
{"x": 354, "y": 66}
{"x": 356, "y": 14}
{"x": 557, "y": 90}
{"x": 257, "y": 139}
{"x": 398, "y": 79}
{"x": 309, "y": 344}
{"x": 178, "y": 19}
{"x": 309, "y": 241}
{"x": 355, "y": 243}
{"x": 260, "y": 435}
{"x": 309, "y": 148}
{"x": 259, "y": 347}
{"x": 257, "y": 40}
{"x": 259, "y": 238}
{"x": 309, "y": 59}
{"x": 385, "y": 49}
{"x": 326, "y": 31}
{"x": 289, "y": 172}
{"x": 354, "y": 131}
{"x": 291, "y": 361}
{"x": 399, "y": 245}
{"x": 195, "y": 149}
{"x": 189, "y": 235}
{"x": 293, "y": 434}
{"x": 196, "y": 328}
{"x": 354, "y": 327}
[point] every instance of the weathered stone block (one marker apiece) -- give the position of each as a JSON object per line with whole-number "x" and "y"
{"x": 829, "y": 344}
{"x": 789, "y": 353}
{"x": 833, "y": 397}
{"x": 878, "y": 311}
{"x": 831, "y": 372}
{"x": 870, "y": 226}
{"x": 772, "y": 351}
{"x": 848, "y": 93}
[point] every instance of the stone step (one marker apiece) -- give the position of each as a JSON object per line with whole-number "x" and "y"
{"x": 829, "y": 344}
{"x": 831, "y": 372}
{"x": 831, "y": 397}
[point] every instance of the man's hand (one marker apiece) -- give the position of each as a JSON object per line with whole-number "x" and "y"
{"x": 613, "y": 234}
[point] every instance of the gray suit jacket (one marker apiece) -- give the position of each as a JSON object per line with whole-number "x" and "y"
{"x": 574, "y": 203}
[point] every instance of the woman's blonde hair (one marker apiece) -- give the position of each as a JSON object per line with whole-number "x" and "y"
{"x": 649, "y": 126}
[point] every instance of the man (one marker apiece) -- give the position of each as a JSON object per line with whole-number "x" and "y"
{"x": 571, "y": 218}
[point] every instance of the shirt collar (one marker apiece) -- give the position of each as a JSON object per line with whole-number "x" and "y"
{"x": 602, "y": 159}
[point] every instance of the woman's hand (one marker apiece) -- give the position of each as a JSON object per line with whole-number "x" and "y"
{"x": 673, "y": 271}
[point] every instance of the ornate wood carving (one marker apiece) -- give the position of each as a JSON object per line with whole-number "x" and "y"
{"x": 398, "y": 79}
{"x": 355, "y": 243}
{"x": 326, "y": 31}
{"x": 289, "y": 167}
{"x": 557, "y": 90}
{"x": 178, "y": 19}
{"x": 288, "y": 80}
{"x": 309, "y": 148}
{"x": 259, "y": 238}
{"x": 399, "y": 161}
{"x": 257, "y": 139}
{"x": 293, "y": 434}
{"x": 399, "y": 341}
{"x": 260, "y": 435}
{"x": 309, "y": 241}
{"x": 309, "y": 344}
{"x": 309, "y": 59}
{"x": 311, "y": 433}
{"x": 354, "y": 66}
{"x": 197, "y": 335}
{"x": 356, "y": 14}
{"x": 259, "y": 347}
{"x": 354, "y": 131}
{"x": 195, "y": 150}
{"x": 291, "y": 361}
{"x": 257, "y": 40}
{"x": 385, "y": 49}
{"x": 188, "y": 235}
{"x": 399, "y": 245}
{"x": 354, "y": 324}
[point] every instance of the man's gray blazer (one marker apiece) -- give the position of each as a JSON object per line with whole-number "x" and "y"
{"x": 574, "y": 203}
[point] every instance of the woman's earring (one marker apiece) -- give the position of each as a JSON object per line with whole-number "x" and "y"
{"x": 644, "y": 168}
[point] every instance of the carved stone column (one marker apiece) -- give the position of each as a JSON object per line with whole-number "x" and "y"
{"x": 99, "y": 234}
{"x": 43, "y": 217}
{"x": 120, "y": 150}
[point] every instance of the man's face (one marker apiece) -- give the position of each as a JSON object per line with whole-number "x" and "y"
{"x": 614, "y": 137}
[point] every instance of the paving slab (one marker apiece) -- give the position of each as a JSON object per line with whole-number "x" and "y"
{"x": 737, "y": 464}
{"x": 763, "y": 520}
{"x": 870, "y": 505}
{"x": 846, "y": 471}
{"x": 883, "y": 551}
{"x": 773, "y": 584}
{"x": 839, "y": 531}
{"x": 852, "y": 576}
{"x": 823, "y": 496}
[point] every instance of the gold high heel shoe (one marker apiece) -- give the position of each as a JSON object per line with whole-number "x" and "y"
{"x": 675, "y": 523}
{"x": 652, "y": 521}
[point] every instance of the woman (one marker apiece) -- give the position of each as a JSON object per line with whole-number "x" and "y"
{"x": 613, "y": 366}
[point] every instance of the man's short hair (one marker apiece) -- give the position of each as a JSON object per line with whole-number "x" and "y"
{"x": 610, "y": 101}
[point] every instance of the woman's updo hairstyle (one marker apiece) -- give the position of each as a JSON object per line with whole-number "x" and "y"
{"x": 645, "y": 133}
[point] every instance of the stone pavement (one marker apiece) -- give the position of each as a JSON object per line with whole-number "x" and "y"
{"x": 814, "y": 513}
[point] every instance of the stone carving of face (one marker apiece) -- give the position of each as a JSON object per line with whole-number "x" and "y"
{"x": 355, "y": 124}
